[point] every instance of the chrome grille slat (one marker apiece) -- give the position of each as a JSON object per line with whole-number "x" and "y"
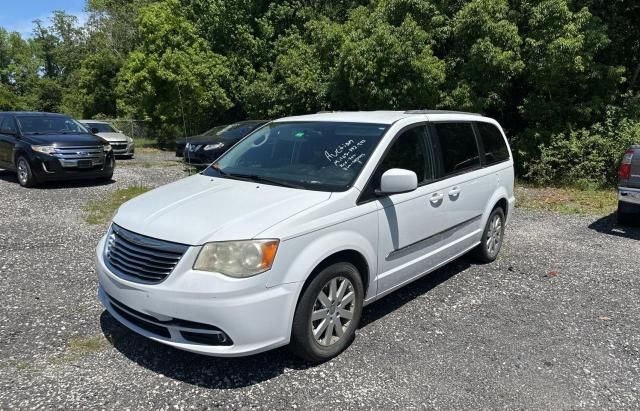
{"x": 147, "y": 253}
{"x": 138, "y": 258}
{"x": 131, "y": 256}
{"x": 138, "y": 267}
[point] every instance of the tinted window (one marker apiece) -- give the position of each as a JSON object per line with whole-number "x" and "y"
{"x": 43, "y": 124}
{"x": 7, "y": 123}
{"x": 409, "y": 151}
{"x": 324, "y": 156}
{"x": 495, "y": 149}
{"x": 458, "y": 147}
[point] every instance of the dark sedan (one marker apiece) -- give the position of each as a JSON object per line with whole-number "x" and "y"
{"x": 227, "y": 135}
{"x": 46, "y": 146}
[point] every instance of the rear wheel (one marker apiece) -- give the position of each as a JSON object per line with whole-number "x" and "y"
{"x": 627, "y": 214}
{"x": 489, "y": 247}
{"x": 328, "y": 313}
{"x": 25, "y": 175}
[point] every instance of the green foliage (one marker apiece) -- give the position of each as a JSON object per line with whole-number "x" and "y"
{"x": 562, "y": 76}
{"x": 588, "y": 156}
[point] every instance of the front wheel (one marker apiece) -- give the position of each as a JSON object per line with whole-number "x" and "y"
{"x": 25, "y": 175}
{"x": 328, "y": 313}
{"x": 492, "y": 237}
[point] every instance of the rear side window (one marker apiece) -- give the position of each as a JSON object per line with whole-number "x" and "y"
{"x": 458, "y": 147}
{"x": 7, "y": 123}
{"x": 409, "y": 151}
{"x": 495, "y": 148}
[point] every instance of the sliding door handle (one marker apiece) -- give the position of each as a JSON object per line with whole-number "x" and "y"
{"x": 454, "y": 192}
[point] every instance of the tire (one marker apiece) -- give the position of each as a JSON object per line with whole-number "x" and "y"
{"x": 106, "y": 179}
{"x": 24, "y": 173}
{"x": 492, "y": 237}
{"x": 329, "y": 343}
{"x": 625, "y": 214}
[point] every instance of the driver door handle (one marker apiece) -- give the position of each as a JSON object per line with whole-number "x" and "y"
{"x": 436, "y": 198}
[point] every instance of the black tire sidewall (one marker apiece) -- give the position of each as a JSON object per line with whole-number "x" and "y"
{"x": 30, "y": 177}
{"x": 302, "y": 341}
{"x": 483, "y": 252}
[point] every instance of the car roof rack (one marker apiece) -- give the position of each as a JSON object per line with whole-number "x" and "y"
{"x": 439, "y": 112}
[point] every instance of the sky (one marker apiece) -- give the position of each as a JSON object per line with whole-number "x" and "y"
{"x": 18, "y": 15}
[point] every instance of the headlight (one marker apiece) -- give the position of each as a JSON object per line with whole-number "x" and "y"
{"x": 187, "y": 146}
{"x": 107, "y": 148}
{"x": 213, "y": 146}
{"x": 237, "y": 259}
{"x": 44, "y": 149}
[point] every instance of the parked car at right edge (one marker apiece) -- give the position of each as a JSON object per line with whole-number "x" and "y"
{"x": 629, "y": 187}
{"x": 302, "y": 223}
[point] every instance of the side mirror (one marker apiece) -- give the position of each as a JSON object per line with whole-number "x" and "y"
{"x": 94, "y": 130}
{"x": 397, "y": 180}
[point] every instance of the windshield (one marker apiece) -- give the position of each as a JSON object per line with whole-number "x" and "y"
{"x": 49, "y": 125}
{"x": 102, "y": 127}
{"x": 325, "y": 156}
{"x": 231, "y": 131}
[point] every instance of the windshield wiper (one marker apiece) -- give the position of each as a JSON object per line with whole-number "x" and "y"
{"x": 255, "y": 177}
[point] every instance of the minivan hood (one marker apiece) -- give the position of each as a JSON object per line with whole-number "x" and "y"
{"x": 199, "y": 209}
{"x": 113, "y": 136}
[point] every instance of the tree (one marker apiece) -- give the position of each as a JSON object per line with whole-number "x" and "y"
{"x": 172, "y": 75}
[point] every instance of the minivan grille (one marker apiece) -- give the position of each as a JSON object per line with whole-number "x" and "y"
{"x": 141, "y": 259}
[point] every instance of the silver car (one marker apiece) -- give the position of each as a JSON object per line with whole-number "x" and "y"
{"x": 629, "y": 187}
{"x": 123, "y": 145}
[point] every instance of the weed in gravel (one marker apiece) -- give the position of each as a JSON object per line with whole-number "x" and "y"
{"x": 87, "y": 345}
{"x": 99, "y": 211}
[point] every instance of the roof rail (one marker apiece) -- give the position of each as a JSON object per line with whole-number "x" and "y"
{"x": 439, "y": 112}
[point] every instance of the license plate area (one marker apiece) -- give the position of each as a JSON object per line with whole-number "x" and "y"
{"x": 85, "y": 163}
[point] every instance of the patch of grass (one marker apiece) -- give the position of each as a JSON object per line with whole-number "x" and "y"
{"x": 146, "y": 143}
{"x": 87, "y": 345}
{"x": 567, "y": 200}
{"x": 101, "y": 210}
{"x": 22, "y": 365}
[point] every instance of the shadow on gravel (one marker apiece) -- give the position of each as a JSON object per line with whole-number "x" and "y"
{"x": 608, "y": 225}
{"x": 397, "y": 299}
{"x": 10, "y": 177}
{"x": 226, "y": 373}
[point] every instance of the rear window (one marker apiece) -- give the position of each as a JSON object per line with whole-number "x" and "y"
{"x": 458, "y": 147}
{"x": 495, "y": 148}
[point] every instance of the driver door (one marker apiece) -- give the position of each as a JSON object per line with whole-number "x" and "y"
{"x": 409, "y": 222}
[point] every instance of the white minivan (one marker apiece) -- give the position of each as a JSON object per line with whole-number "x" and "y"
{"x": 290, "y": 233}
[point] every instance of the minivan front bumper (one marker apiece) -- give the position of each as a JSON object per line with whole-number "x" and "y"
{"x": 205, "y": 313}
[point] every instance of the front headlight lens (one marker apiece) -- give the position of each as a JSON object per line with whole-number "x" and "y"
{"x": 107, "y": 148}
{"x": 44, "y": 149}
{"x": 213, "y": 146}
{"x": 239, "y": 259}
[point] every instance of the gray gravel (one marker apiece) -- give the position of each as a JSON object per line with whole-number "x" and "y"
{"x": 554, "y": 323}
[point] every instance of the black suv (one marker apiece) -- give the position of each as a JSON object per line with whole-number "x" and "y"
{"x": 46, "y": 146}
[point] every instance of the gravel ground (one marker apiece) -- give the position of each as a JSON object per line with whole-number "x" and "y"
{"x": 554, "y": 323}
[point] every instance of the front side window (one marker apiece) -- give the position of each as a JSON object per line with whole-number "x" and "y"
{"x": 458, "y": 147}
{"x": 495, "y": 148}
{"x": 324, "y": 156}
{"x": 34, "y": 124}
{"x": 410, "y": 152}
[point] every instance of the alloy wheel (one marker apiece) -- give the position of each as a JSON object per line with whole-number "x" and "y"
{"x": 333, "y": 311}
{"x": 494, "y": 237}
{"x": 23, "y": 171}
